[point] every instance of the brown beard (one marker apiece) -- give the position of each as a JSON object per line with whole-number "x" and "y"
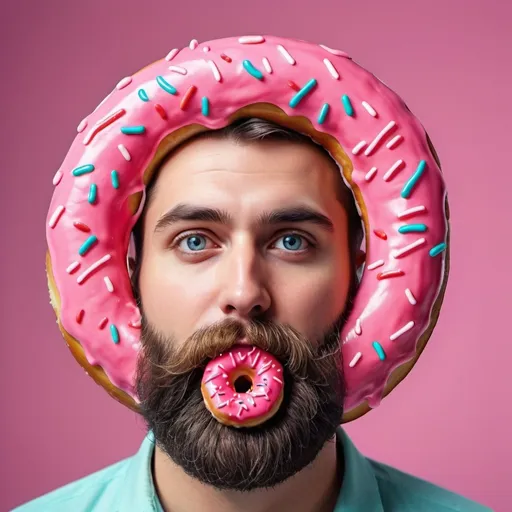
{"x": 168, "y": 383}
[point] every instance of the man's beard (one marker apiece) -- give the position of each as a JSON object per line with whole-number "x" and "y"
{"x": 168, "y": 384}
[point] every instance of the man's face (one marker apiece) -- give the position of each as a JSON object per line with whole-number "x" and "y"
{"x": 197, "y": 273}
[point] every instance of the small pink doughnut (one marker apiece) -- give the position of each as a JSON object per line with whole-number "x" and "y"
{"x": 259, "y": 374}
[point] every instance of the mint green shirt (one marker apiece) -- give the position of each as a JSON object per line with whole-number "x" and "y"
{"x": 368, "y": 486}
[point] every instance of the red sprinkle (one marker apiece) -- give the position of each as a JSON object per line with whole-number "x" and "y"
{"x": 226, "y": 58}
{"x": 188, "y": 95}
{"x": 103, "y": 323}
{"x": 293, "y": 85}
{"x": 162, "y": 113}
{"x": 380, "y": 234}
{"x": 390, "y": 273}
{"x": 82, "y": 227}
{"x": 103, "y": 124}
{"x": 80, "y": 316}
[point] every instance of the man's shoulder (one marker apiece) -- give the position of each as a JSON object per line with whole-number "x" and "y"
{"x": 97, "y": 491}
{"x": 403, "y": 491}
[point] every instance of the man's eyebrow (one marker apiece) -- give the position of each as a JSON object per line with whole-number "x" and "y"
{"x": 293, "y": 214}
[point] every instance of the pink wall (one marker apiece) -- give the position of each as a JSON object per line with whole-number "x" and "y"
{"x": 446, "y": 58}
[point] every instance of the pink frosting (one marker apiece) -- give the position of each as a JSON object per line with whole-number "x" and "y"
{"x": 386, "y": 143}
{"x": 267, "y": 383}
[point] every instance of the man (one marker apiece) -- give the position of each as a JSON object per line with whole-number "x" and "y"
{"x": 210, "y": 265}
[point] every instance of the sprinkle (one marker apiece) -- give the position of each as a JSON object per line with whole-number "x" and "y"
{"x": 102, "y": 124}
{"x": 178, "y": 69}
{"x": 165, "y": 85}
{"x": 211, "y": 377}
{"x": 293, "y": 85}
{"x": 225, "y": 57}
{"x": 355, "y": 360}
{"x": 124, "y": 152}
{"x": 187, "y": 97}
{"x": 379, "y": 137}
{"x": 369, "y": 109}
{"x": 114, "y": 176}
{"x": 82, "y": 126}
{"x": 395, "y": 167}
{"x": 172, "y": 54}
{"x": 376, "y": 264}
{"x": 380, "y": 234}
{"x": 404, "y": 329}
{"x": 103, "y": 323}
{"x": 114, "y": 333}
{"x": 193, "y": 44}
{"x": 80, "y": 316}
{"x": 394, "y": 141}
{"x": 108, "y": 284}
{"x": 256, "y": 73}
{"x": 136, "y": 346}
{"x": 408, "y": 248}
{"x": 438, "y": 249}
{"x": 223, "y": 404}
{"x": 347, "y": 105}
{"x": 232, "y": 359}
{"x": 124, "y": 82}
{"x": 56, "y": 216}
{"x": 358, "y": 147}
{"x": 57, "y": 178}
{"x": 143, "y": 95}
{"x": 251, "y": 39}
{"x": 410, "y": 296}
{"x": 370, "y": 174}
{"x": 87, "y": 245}
{"x": 256, "y": 357}
{"x": 331, "y": 69}
{"x": 412, "y": 228}
{"x": 323, "y": 113}
{"x": 73, "y": 267}
{"x": 133, "y": 130}
{"x": 339, "y": 53}
{"x": 264, "y": 368}
{"x": 93, "y": 193}
{"x": 380, "y": 351}
{"x": 161, "y": 112}
{"x": 389, "y": 274}
{"x": 83, "y": 169}
{"x": 277, "y": 379}
{"x": 285, "y": 54}
{"x": 206, "y": 49}
{"x": 82, "y": 227}
{"x": 266, "y": 65}
{"x": 358, "y": 327}
{"x": 84, "y": 275}
{"x": 300, "y": 95}
{"x": 205, "y": 106}
{"x": 215, "y": 70}
{"x": 411, "y": 211}
{"x": 411, "y": 183}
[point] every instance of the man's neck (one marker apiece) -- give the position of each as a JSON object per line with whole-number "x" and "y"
{"x": 314, "y": 489}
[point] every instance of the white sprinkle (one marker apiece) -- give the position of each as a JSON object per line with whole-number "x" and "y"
{"x": 82, "y": 126}
{"x": 136, "y": 324}
{"x": 358, "y": 327}
{"x": 264, "y": 368}
{"x": 57, "y": 178}
{"x": 136, "y": 346}
{"x": 355, "y": 360}
{"x": 410, "y": 296}
{"x": 72, "y": 267}
{"x": 108, "y": 284}
{"x": 224, "y": 375}
{"x": 267, "y": 65}
{"x": 370, "y": 174}
{"x": 408, "y": 248}
{"x": 411, "y": 211}
{"x": 392, "y": 170}
{"x": 215, "y": 70}
{"x": 376, "y": 264}
{"x": 83, "y": 276}
{"x": 232, "y": 359}
{"x": 285, "y": 54}
{"x": 223, "y": 404}
{"x": 172, "y": 54}
{"x": 394, "y": 141}
{"x": 124, "y": 152}
{"x": 251, "y": 39}
{"x": 256, "y": 357}
{"x": 252, "y": 350}
{"x": 379, "y": 137}
{"x": 331, "y": 69}
{"x": 242, "y": 358}
{"x": 358, "y": 147}
{"x": 333, "y": 51}
{"x": 211, "y": 377}
{"x": 193, "y": 44}
{"x": 124, "y": 82}
{"x": 178, "y": 69}
{"x": 242, "y": 407}
{"x": 369, "y": 109}
{"x": 206, "y": 49}
{"x": 277, "y": 379}
{"x": 221, "y": 366}
{"x": 251, "y": 400}
{"x": 56, "y": 216}
{"x": 404, "y": 329}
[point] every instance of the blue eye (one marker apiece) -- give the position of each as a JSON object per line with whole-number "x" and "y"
{"x": 292, "y": 242}
{"x": 194, "y": 242}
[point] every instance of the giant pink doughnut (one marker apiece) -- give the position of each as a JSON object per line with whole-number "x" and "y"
{"x": 381, "y": 148}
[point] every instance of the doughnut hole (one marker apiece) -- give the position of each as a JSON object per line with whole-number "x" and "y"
{"x": 242, "y": 384}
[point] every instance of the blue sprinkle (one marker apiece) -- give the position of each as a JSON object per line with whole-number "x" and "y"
{"x": 411, "y": 183}
{"x": 115, "y": 179}
{"x": 412, "y": 228}
{"x": 323, "y": 113}
{"x": 143, "y": 95}
{"x": 83, "y": 169}
{"x": 165, "y": 85}
{"x": 438, "y": 249}
{"x": 84, "y": 249}
{"x": 114, "y": 333}
{"x": 133, "y": 130}
{"x": 347, "y": 105}
{"x": 205, "y": 106}
{"x": 93, "y": 192}
{"x": 300, "y": 94}
{"x": 256, "y": 73}
{"x": 380, "y": 351}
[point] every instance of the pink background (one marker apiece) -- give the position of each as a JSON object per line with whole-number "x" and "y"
{"x": 448, "y": 422}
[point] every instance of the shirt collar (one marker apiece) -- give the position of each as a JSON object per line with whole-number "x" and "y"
{"x": 359, "y": 490}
